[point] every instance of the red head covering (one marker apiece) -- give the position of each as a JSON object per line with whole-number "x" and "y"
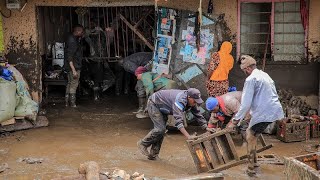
{"x": 140, "y": 70}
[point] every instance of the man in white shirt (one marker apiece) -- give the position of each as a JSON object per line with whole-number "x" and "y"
{"x": 259, "y": 96}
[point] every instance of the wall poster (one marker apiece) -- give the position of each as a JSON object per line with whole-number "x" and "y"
{"x": 166, "y": 26}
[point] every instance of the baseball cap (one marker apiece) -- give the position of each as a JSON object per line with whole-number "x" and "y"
{"x": 195, "y": 94}
{"x": 246, "y": 61}
{"x": 211, "y": 103}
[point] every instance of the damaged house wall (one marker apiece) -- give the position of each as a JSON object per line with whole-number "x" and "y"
{"x": 21, "y": 40}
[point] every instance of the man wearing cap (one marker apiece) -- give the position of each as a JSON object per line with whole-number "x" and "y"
{"x": 259, "y": 96}
{"x": 223, "y": 108}
{"x": 169, "y": 102}
{"x": 131, "y": 64}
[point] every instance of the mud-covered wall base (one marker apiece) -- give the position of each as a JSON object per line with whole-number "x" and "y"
{"x": 303, "y": 80}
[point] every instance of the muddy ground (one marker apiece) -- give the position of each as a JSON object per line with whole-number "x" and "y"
{"x": 107, "y": 133}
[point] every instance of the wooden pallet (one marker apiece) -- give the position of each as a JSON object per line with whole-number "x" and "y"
{"x": 214, "y": 152}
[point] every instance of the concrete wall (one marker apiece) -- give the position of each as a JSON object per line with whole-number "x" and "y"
{"x": 21, "y": 42}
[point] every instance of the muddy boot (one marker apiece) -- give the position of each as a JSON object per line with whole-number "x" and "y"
{"x": 96, "y": 95}
{"x": 67, "y": 98}
{"x": 143, "y": 149}
{"x": 142, "y": 102}
{"x": 142, "y": 115}
{"x": 155, "y": 149}
{"x": 73, "y": 100}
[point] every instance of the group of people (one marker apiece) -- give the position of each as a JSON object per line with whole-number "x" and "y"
{"x": 257, "y": 105}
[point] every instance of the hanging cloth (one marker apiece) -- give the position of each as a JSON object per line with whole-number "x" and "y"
{"x": 304, "y": 14}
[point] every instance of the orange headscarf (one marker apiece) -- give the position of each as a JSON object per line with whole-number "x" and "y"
{"x": 225, "y": 64}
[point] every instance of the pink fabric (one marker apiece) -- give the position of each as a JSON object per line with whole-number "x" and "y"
{"x": 140, "y": 70}
{"x": 304, "y": 13}
{"x": 222, "y": 105}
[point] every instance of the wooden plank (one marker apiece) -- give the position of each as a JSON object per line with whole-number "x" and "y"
{"x": 203, "y": 176}
{"x": 143, "y": 18}
{"x": 8, "y": 122}
{"x": 212, "y": 153}
{"x": 232, "y": 147}
{"x": 19, "y": 117}
{"x": 227, "y": 166}
{"x": 219, "y": 133}
{"x": 194, "y": 157}
{"x": 136, "y": 31}
{"x": 222, "y": 149}
{"x": 41, "y": 121}
{"x": 205, "y": 156}
{"x": 258, "y": 151}
{"x": 217, "y": 150}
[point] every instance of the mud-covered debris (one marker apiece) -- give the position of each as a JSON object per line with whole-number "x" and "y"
{"x": 3, "y": 167}
{"x": 119, "y": 174}
{"x": 31, "y": 160}
{"x": 136, "y": 174}
{"x": 141, "y": 177}
{"x": 90, "y": 169}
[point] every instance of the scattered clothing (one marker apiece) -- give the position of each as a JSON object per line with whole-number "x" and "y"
{"x": 232, "y": 88}
{"x": 6, "y": 74}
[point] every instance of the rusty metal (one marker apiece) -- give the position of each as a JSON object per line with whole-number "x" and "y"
{"x": 118, "y": 46}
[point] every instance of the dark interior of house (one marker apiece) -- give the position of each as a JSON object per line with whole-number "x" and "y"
{"x": 112, "y": 32}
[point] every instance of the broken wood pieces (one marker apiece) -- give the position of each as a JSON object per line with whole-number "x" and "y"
{"x": 137, "y": 32}
{"x": 270, "y": 159}
{"x": 41, "y": 121}
{"x": 31, "y": 160}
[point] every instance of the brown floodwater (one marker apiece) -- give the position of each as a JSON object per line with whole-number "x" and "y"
{"x": 107, "y": 132}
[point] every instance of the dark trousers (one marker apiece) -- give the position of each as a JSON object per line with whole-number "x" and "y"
{"x": 141, "y": 91}
{"x": 156, "y": 135}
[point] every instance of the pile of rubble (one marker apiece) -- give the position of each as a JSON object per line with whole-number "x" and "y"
{"x": 91, "y": 171}
{"x": 293, "y": 105}
{"x": 122, "y": 175}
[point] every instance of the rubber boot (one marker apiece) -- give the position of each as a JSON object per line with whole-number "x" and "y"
{"x": 67, "y": 98}
{"x": 73, "y": 100}
{"x": 142, "y": 102}
{"x": 143, "y": 149}
{"x": 96, "y": 94}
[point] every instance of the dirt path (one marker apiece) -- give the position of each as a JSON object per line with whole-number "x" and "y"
{"x": 107, "y": 133}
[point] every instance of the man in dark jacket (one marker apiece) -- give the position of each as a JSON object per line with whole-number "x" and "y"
{"x": 73, "y": 63}
{"x": 130, "y": 64}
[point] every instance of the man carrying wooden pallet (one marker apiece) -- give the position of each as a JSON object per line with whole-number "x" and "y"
{"x": 259, "y": 96}
{"x": 170, "y": 102}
